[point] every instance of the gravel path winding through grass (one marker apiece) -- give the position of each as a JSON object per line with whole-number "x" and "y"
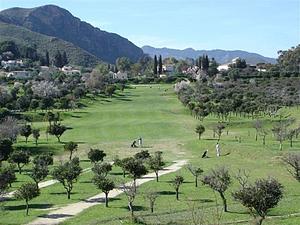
{"x": 71, "y": 210}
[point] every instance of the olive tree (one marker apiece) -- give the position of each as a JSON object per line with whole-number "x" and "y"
{"x": 44, "y": 159}
{"x": 219, "y": 180}
{"x": 5, "y": 149}
{"x": 156, "y": 163}
{"x": 57, "y": 130}
{"x": 176, "y": 183}
{"x": 21, "y": 158}
{"x": 105, "y": 184}
{"x": 27, "y": 192}
{"x": 259, "y": 197}
{"x": 96, "y": 155}
{"x": 130, "y": 192}
{"x": 151, "y": 196}
{"x": 71, "y": 147}
{"x": 8, "y": 175}
{"x": 196, "y": 172}
{"x": 200, "y": 129}
{"x": 39, "y": 172}
{"x": 136, "y": 169}
{"x": 26, "y": 131}
{"x": 102, "y": 169}
{"x": 36, "y": 135}
{"x": 67, "y": 174}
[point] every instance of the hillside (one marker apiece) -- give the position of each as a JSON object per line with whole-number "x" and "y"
{"x": 57, "y": 22}
{"x": 221, "y": 56}
{"x": 20, "y": 35}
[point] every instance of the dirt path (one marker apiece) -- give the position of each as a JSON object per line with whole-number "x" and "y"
{"x": 71, "y": 210}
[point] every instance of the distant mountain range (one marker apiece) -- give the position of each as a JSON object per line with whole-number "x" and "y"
{"x": 221, "y": 56}
{"x": 49, "y": 25}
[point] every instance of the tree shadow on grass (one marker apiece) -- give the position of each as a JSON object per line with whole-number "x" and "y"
{"x": 100, "y": 200}
{"x": 31, "y": 206}
{"x": 116, "y": 173}
{"x": 36, "y": 150}
{"x": 234, "y": 212}
{"x": 136, "y": 208}
{"x": 62, "y": 193}
{"x": 202, "y": 200}
{"x": 166, "y": 193}
{"x": 55, "y": 216}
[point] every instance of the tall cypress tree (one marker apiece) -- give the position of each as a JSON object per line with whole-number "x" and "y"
{"x": 155, "y": 65}
{"x": 47, "y": 59}
{"x": 160, "y": 65}
{"x": 58, "y": 62}
{"x": 64, "y": 59}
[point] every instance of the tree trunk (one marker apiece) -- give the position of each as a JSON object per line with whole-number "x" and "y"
{"x": 199, "y": 136}
{"x": 27, "y": 207}
{"x": 130, "y": 206}
{"x": 69, "y": 194}
{"x": 156, "y": 172}
{"x": 291, "y": 142}
{"x": 124, "y": 173}
{"x": 151, "y": 206}
{"x": 106, "y": 199}
{"x": 19, "y": 167}
{"x": 264, "y": 140}
{"x": 256, "y": 137}
{"x": 36, "y": 143}
{"x": 26, "y": 138}
{"x": 258, "y": 221}
{"x": 224, "y": 201}
{"x": 177, "y": 194}
{"x": 70, "y": 157}
{"x": 280, "y": 146}
{"x": 196, "y": 181}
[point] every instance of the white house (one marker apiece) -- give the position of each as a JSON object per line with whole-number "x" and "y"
{"x": 226, "y": 65}
{"x": 11, "y": 64}
{"x": 168, "y": 68}
{"x": 68, "y": 70}
{"x": 120, "y": 76}
{"x": 19, "y": 74}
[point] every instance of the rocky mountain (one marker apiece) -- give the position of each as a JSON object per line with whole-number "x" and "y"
{"x": 24, "y": 37}
{"x": 56, "y": 22}
{"x": 221, "y": 56}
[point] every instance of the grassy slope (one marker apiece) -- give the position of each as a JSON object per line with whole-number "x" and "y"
{"x": 165, "y": 125}
{"x": 23, "y": 36}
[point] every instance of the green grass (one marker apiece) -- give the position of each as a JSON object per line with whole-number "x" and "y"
{"x": 157, "y": 116}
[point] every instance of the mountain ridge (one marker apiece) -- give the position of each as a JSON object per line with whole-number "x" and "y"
{"x": 51, "y": 20}
{"x": 221, "y": 56}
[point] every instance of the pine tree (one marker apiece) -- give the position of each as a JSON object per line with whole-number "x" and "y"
{"x": 64, "y": 59}
{"x": 58, "y": 61}
{"x": 47, "y": 60}
{"x": 155, "y": 65}
{"x": 160, "y": 65}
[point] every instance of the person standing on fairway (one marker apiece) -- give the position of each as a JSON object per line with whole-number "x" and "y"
{"x": 140, "y": 142}
{"x": 218, "y": 149}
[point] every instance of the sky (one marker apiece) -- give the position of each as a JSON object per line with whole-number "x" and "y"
{"x": 261, "y": 26}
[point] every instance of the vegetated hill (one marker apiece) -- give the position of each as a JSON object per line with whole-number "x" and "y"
{"x": 221, "y": 56}
{"x": 23, "y": 36}
{"x": 54, "y": 21}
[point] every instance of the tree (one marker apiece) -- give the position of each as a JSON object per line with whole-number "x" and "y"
{"x": 104, "y": 184}
{"x": 58, "y": 60}
{"x": 21, "y": 158}
{"x": 7, "y": 175}
{"x": 156, "y": 163}
{"x": 259, "y": 197}
{"x": 39, "y": 172}
{"x": 218, "y": 129}
{"x": 3, "y": 181}
{"x": 71, "y": 147}
{"x": 263, "y": 132}
{"x": 47, "y": 59}
{"x": 110, "y": 90}
{"x": 64, "y": 58}
{"x": 36, "y": 135}
{"x": 9, "y": 128}
{"x": 67, "y": 174}
{"x": 122, "y": 163}
{"x": 26, "y": 131}
{"x": 27, "y": 192}
{"x": 96, "y": 155}
{"x": 142, "y": 155}
{"x": 196, "y": 172}
{"x": 130, "y": 192}
{"x": 102, "y": 169}
{"x": 292, "y": 160}
{"x": 43, "y": 159}
{"x": 280, "y": 132}
{"x": 258, "y": 126}
{"x": 136, "y": 169}
{"x": 160, "y": 65}
{"x": 5, "y": 149}
{"x": 219, "y": 180}
{"x": 151, "y": 196}
{"x": 176, "y": 183}
{"x": 57, "y": 130}
{"x": 200, "y": 129}
{"x": 155, "y": 66}
{"x": 291, "y": 133}
{"x": 123, "y": 64}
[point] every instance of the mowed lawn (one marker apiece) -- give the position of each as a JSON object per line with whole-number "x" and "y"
{"x": 154, "y": 113}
